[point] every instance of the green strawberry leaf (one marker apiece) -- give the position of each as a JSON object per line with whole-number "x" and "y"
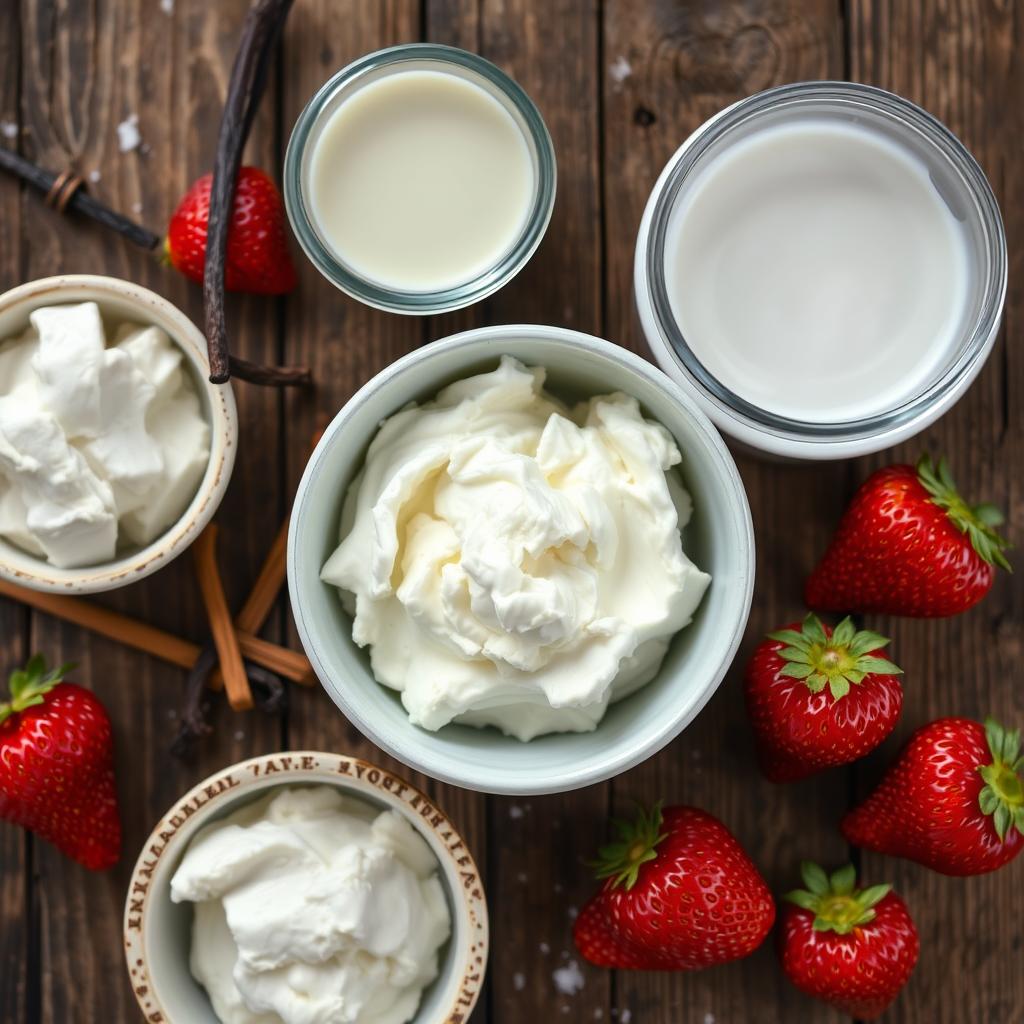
{"x": 978, "y": 522}
{"x": 30, "y": 685}
{"x": 814, "y": 877}
{"x": 843, "y": 880}
{"x": 838, "y": 661}
{"x": 838, "y": 906}
{"x": 1002, "y": 796}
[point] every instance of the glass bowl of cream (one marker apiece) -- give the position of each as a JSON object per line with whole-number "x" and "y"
{"x": 305, "y": 885}
{"x": 420, "y": 178}
{"x": 115, "y": 449}
{"x": 545, "y": 563}
{"x": 822, "y": 267}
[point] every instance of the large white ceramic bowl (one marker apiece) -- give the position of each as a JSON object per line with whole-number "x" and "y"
{"x": 719, "y": 539}
{"x": 157, "y": 932}
{"x": 124, "y": 302}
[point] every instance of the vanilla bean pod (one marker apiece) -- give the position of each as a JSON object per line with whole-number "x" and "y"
{"x": 78, "y": 200}
{"x": 260, "y": 32}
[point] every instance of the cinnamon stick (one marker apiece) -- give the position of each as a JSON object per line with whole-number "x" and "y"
{"x": 204, "y": 555}
{"x": 263, "y": 595}
{"x": 157, "y": 642}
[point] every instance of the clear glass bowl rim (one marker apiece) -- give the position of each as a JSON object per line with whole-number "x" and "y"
{"x": 467, "y": 292}
{"x": 976, "y": 185}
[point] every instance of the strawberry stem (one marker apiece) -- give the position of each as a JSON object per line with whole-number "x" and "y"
{"x": 634, "y": 846}
{"x": 979, "y": 522}
{"x": 838, "y": 906}
{"x": 837, "y": 661}
{"x": 30, "y": 684}
{"x": 1002, "y": 797}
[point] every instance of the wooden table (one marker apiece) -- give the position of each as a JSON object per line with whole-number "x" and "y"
{"x": 621, "y": 84}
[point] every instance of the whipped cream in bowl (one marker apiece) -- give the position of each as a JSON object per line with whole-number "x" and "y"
{"x": 115, "y": 449}
{"x": 520, "y": 560}
{"x": 302, "y": 888}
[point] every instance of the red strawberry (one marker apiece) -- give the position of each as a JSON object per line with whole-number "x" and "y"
{"x": 854, "y": 948}
{"x": 679, "y": 894}
{"x": 953, "y": 800}
{"x": 257, "y": 254}
{"x": 908, "y": 544}
{"x": 57, "y": 766}
{"x": 818, "y": 698}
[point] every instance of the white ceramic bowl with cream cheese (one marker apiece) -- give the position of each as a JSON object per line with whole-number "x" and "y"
{"x": 123, "y": 302}
{"x": 719, "y": 539}
{"x": 157, "y": 931}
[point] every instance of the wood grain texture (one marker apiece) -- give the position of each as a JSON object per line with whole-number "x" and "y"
{"x": 17, "y": 932}
{"x": 667, "y": 68}
{"x": 536, "y": 848}
{"x": 966, "y": 70}
{"x": 621, "y": 83}
{"x": 85, "y": 68}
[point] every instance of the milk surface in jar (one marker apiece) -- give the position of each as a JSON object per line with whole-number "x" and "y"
{"x": 420, "y": 180}
{"x": 815, "y": 270}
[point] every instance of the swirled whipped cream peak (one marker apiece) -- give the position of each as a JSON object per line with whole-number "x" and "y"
{"x": 100, "y": 445}
{"x": 512, "y": 562}
{"x": 313, "y": 907}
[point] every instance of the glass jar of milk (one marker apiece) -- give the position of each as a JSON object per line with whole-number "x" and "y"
{"x": 823, "y": 266}
{"x": 420, "y": 178}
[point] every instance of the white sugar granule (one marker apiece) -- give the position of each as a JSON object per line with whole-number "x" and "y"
{"x": 519, "y": 981}
{"x": 568, "y": 979}
{"x": 620, "y": 70}
{"x": 8, "y": 129}
{"x": 128, "y": 137}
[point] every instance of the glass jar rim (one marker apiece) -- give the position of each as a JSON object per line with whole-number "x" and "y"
{"x": 464, "y": 293}
{"x": 976, "y": 187}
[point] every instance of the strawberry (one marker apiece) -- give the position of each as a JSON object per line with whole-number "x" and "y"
{"x": 908, "y": 544}
{"x": 257, "y": 257}
{"x": 818, "y": 698}
{"x": 953, "y": 800}
{"x": 57, "y": 766}
{"x": 854, "y": 948}
{"x": 679, "y": 894}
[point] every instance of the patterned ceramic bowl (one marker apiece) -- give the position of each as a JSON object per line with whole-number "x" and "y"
{"x": 124, "y": 302}
{"x": 156, "y": 931}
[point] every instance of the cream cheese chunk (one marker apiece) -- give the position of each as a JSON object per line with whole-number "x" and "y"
{"x": 313, "y": 907}
{"x": 515, "y": 563}
{"x": 98, "y": 445}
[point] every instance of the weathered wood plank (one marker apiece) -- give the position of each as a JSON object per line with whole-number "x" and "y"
{"x": 85, "y": 68}
{"x": 346, "y": 343}
{"x": 16, "y": 957}
{"x": 666, "y": 69}
{"x": 960, "y": 62}
{"x": 536, "y": 846}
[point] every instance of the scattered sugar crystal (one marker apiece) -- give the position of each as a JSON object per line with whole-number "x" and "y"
{"x": 568, "y": 979}
{"x": 515, "y": 812}
{"x": 239, "y": 735}
{"x": 709, "y": 1018}
{"x": 558, "y": 886}
{"x": 565, "y": 1008}
{"x": 521, "y": 878}
{"x": 598, "y": 1013}
{"x": 128, "y": 137}
{"x": 573, "y": 913}
{"x": 167, "y": 6}
{"x": 626, "y": 1016}
{"x": 519, "y": 981}
{"x": 544, "y": 948}
{"x": 620, "y": 70}
{"x": 8, "y": 129}
{"x": 94, "y": 176}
